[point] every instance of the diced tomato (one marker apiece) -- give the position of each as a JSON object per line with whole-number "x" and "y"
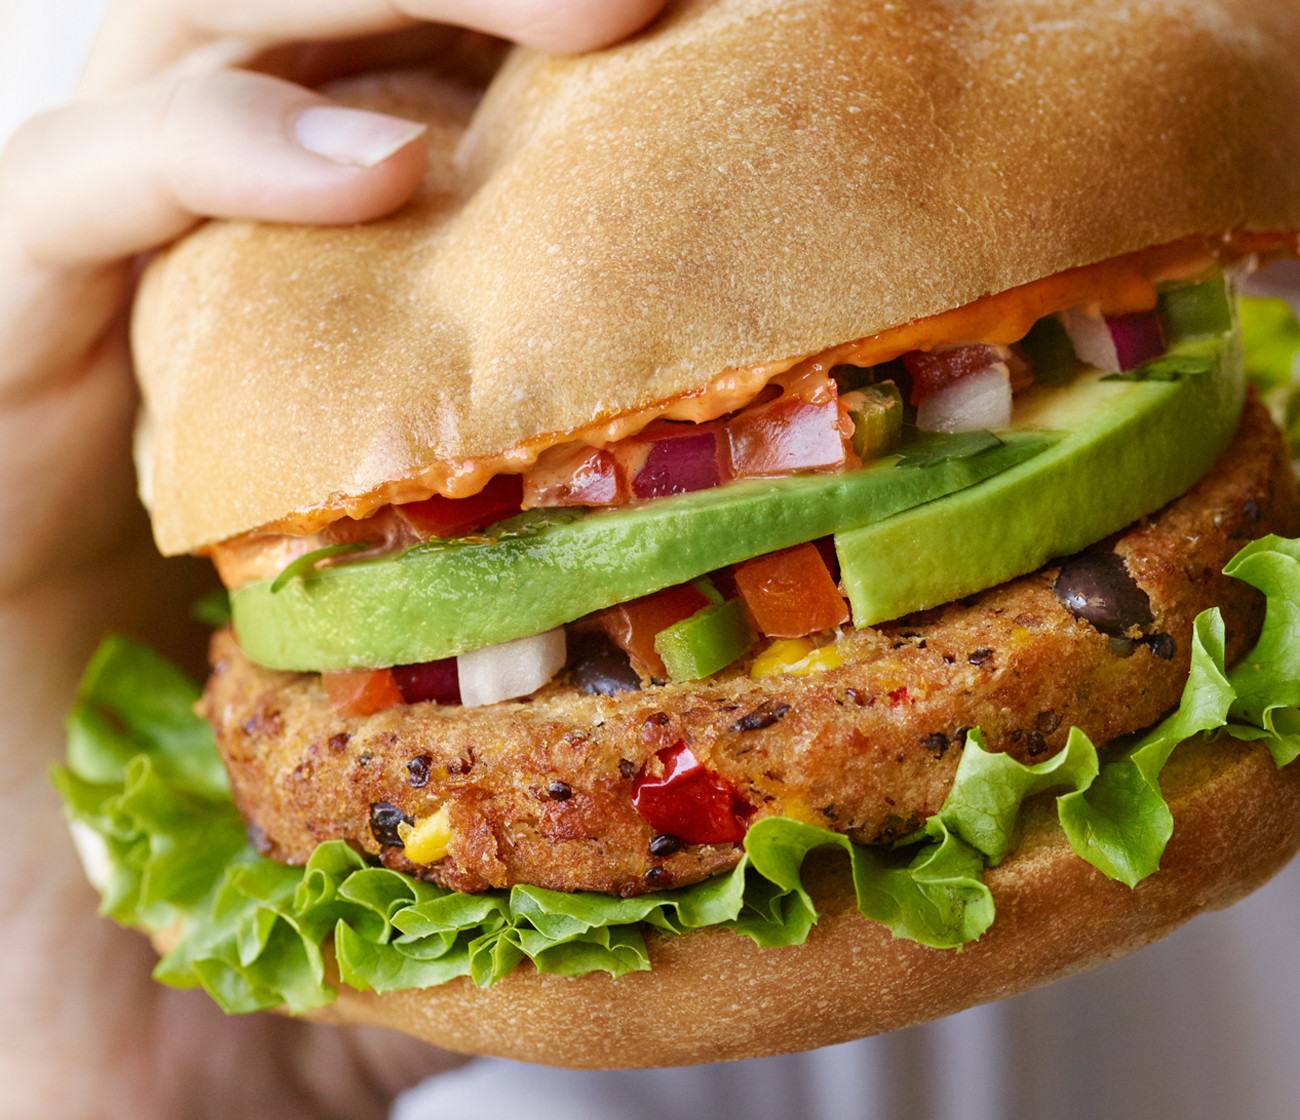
{"x": 934, "y": 370}
{"x": 457, "y": 517}
{"x": 787, "y": 434}
{"x": 689, "y": 802}
{"x": 575, "y": 476}
{"x": 791, "y": 593}
{"x": 438, "y": 681}
{"x": 361, "y": 692}
{"x": 633, "y": 625}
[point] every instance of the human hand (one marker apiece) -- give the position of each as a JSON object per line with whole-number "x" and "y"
{"x": 165, "y": 131}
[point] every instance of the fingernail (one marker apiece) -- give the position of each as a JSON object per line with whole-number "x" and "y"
{"x": 352, "y": 136}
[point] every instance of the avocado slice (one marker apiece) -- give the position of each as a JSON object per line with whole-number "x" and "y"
{"x": 550, "y": 567}
{"x": 1132, "y": 446}
{"x": 949, "y": 516}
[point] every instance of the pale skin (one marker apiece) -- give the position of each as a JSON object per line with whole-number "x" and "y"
{"x": 166, "y": 130}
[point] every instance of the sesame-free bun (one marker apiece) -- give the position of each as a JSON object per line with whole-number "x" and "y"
{"x": 748, "y": 181}
{"x": 713, "y": 995}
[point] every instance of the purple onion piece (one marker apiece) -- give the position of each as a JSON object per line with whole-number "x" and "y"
{"x": 1138, "y": 337}
{"x": 432, "y": 680}
{"x": 678, "y": 465}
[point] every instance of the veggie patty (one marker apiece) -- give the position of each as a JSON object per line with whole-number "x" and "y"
{"x": 542, "y": 792}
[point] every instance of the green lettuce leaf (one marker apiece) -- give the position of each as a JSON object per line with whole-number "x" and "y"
{"x": 142, "y": 776}
{"x": 143, "y": 781}
{"x": 984, "y": 803}
{"x": 212, "y": 609}
{"x": 1120, "y": 822}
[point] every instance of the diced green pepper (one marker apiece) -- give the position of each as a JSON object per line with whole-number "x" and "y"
{"x": 1196, "y": 310}
{"x": 711, "y": 639}
{"x": 705, "y": 587}
{"x": 877, "y": 414}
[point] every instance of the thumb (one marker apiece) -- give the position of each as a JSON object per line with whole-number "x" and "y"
{"x": 97, "y": 181}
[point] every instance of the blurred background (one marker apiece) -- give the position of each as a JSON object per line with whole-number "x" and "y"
{"x": 43, "y": 44}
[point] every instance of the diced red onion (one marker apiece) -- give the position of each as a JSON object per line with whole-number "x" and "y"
{"x": 1138, "y": 337}
{"x": 430, "y": 680}
{"x": 1091, "y": 339}
{"x": 932, "y": 371}
{"x": 511, "y": 669}
{"x": 575, "y": 476}
{"x": 982, "y": 400}
{"x": 787, "y": 434}
{"x": 1114, "y": 343}
{"x": 678, "y": 462}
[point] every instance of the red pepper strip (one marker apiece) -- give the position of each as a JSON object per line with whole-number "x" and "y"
{"x": 632, "y": 626}
{"x": 689, "y": 802}
{"x": 790, "y": 593}
{"x": 361, "y": 692}
{"x": 447, "y": 518}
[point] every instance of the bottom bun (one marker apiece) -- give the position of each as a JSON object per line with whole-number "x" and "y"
{"x": 716, "y": 996}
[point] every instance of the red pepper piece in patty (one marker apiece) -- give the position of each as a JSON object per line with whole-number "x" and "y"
{"x": 689, "y": 802}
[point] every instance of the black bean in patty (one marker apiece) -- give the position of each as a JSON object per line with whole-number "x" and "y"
{"x": 384, "y": 819}
{"x": 1096, "y": 587}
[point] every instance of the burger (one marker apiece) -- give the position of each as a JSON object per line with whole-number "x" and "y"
{"x": 772, "y": 544}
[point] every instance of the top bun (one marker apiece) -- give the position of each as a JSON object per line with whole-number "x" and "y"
{"x": 749, "y": 180}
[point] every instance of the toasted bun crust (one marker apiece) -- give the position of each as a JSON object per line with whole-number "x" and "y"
{"x": 714, "y": 996}
{"x": 749, "y": 181}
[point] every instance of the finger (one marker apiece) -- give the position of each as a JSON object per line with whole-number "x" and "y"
{"x": 50, "y": 320}
{"x": 68, "y": 446}
{"x": 561, "y": 26}
{"x": 464, "y": 58}
{"x": 144, "y": 38}
{"x": 96, "y": 181}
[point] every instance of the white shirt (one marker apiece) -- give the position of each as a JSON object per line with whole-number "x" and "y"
{"x": 1203, "y": 1026}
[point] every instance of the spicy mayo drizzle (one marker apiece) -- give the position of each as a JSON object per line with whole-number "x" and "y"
{"x": 1114, "y": 287}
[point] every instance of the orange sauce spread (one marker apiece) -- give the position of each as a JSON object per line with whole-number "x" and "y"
{"x": 1113, "y": 287}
